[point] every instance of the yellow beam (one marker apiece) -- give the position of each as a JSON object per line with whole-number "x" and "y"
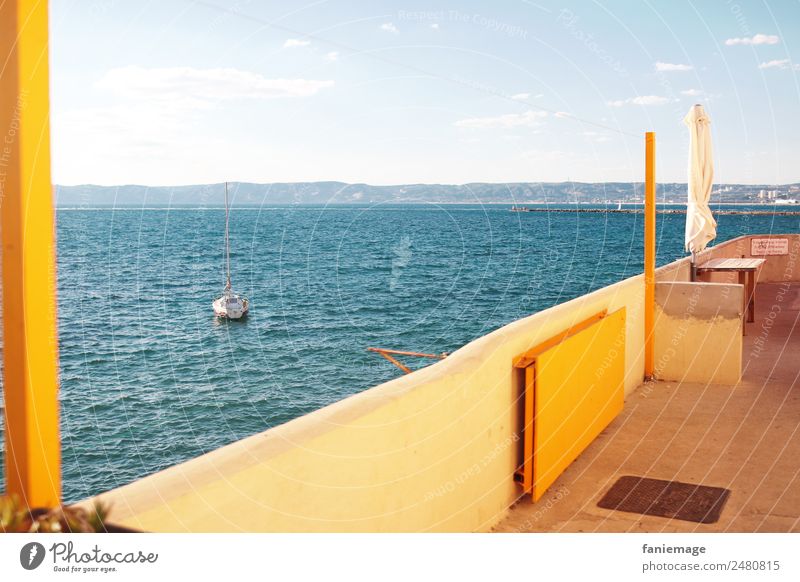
{"x": 649, "y": 252}
{"x": 30, "y": 345}
{"x": 529, "y": 357}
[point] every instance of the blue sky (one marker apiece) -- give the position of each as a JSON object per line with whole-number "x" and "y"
{"x": 184, "y": 92}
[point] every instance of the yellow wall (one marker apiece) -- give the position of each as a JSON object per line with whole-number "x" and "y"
{"x": 432, "y": 451}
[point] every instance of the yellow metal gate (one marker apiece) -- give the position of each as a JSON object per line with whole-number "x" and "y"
{"x": 574, "y": 387}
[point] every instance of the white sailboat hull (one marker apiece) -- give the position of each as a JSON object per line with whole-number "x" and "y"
{"x": 230, "y": 307}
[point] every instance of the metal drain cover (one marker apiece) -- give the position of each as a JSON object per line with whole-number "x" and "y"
{"x": 671, "y": 499}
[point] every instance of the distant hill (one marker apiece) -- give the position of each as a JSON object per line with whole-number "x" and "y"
{"x": 248, "y": 194}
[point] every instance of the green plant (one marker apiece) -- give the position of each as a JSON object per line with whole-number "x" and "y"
{"x": 16, "y": 517}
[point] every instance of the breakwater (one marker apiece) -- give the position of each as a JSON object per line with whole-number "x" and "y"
{"x": 658, "y": 211}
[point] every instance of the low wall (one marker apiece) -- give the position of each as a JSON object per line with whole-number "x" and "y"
{"x": 698, "y": 332}
{"x": 687, "y": 314}
{"x": 431, "y": 451}
{"x": 778, "y": 268}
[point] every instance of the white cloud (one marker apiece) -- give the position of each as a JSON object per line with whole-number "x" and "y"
{"x": 295, "y": 42}
{"x": 158, "y": 122}
{"x": 547, "y": 156}
{"x": 691, "y": 92}
{"x": 594, "y": 137}
{"x": 641, "y": 100}
{"x": 200, "y": 86}
{"x": 389, "y": 27}
{"x": 435, "y": 26}
{"x": 669, "y": 67}
{"x": 753, "y": 40}
{"x": 779, "y": 64}
{"x": 332, "y": 56}
{"x": 563, "y": 114}
{"x": 160, "y": 142}
{"x": 649, "y": 100}
{"x": 527, "y": 119}
{"x": 520, "y": 96}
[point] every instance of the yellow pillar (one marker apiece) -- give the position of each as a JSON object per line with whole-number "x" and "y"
{"x": 649, "y": 252}
{"x": 30, "y": 345}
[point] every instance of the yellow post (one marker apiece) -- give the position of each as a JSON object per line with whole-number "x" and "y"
{"x": 649, "y": 252}
{"x": 30, "y": 345}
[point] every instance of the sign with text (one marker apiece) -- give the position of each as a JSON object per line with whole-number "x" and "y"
{"x": 769, "y": 246}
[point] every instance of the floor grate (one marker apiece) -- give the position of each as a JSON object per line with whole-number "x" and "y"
{"x": 671, "y": 499}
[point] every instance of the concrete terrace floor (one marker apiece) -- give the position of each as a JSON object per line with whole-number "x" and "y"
{"x": 744, "y": 438}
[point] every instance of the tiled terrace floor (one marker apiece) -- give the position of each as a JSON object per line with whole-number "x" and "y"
{"x": 744, "y": 438}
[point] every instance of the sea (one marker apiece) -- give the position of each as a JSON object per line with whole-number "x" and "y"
{"x": 150, "y": 378}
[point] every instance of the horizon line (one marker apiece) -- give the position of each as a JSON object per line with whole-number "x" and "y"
{"x": 399, "y": 185}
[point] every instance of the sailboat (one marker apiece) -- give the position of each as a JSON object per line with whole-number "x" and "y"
{"x": 230, "y": 305}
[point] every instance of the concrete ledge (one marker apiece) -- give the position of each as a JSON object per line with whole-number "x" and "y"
{"x": 699, "y": 300}
{"x": 698, "y": 332}
{"x": 435, "y": 450}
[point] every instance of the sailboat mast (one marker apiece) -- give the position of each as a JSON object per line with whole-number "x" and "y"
{"x": 227, "y": 242}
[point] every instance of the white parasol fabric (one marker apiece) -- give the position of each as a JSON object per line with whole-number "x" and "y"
{"x": 701, "y": 228}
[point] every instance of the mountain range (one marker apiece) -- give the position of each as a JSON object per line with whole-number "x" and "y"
{"x": 250, "y": 194}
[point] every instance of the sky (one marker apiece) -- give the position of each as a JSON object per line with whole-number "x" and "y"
{"x": 175, "y": 92}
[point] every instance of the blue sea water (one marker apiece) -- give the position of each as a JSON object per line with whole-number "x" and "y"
{"x": 150, "y": 378}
